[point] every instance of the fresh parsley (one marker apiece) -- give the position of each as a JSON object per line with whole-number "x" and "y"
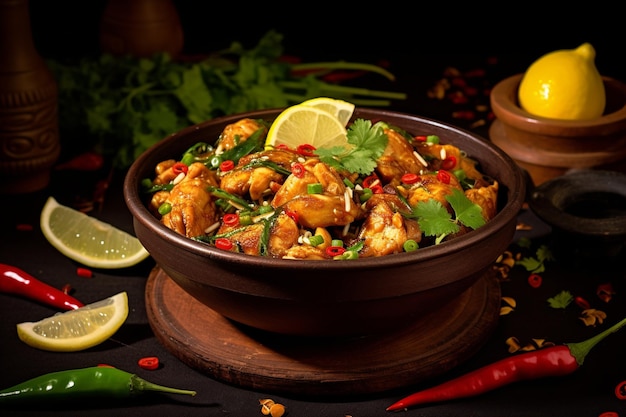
{"x": 537, "y": 263}
{"x": 368, "y": 142}
{"x": 561, "y": 300}
{"x": 435, "y": 220}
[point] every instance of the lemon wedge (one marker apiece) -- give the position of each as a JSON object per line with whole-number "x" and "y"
{"x": 306, "y": 125}
{"x": 88, "y": 240}
{"x": 564, "y": 84}
{"x": 341, "y": 109}
{"x": 78, "y": 329}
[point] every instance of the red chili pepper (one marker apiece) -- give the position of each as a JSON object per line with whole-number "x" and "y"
{"x": 420, "y": 138}
{"x": 180, "y": 168}
{"x": 24, "y": 227}
{"x": 535, "y": 280}
{"x": 227, "y": 165}
{"x": 298, "y": 170}
{"x": 293, "y": 215}
{"x": 546, "y": 362}
{"x": 231, "y": 219}
{"x": 410, "y": 178}
{"x": 15, "y": 281}
{"x": 377, "y": 189}
{"x": 151, "y": 363}
{"x": 306, "y": 150}
{"x": 605, "y": 292}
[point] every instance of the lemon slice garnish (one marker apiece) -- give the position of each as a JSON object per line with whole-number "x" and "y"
{"x": 78, "y": 329}
{"x": 341, "y": 109}
{"x": 306, "y": 125}
{"x": 88, "y": 240}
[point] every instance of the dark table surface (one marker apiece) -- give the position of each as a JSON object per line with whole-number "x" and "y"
{"x": 587, "y": 392}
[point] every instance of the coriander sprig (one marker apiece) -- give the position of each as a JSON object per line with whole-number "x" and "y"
{"x": 367, "y": 143}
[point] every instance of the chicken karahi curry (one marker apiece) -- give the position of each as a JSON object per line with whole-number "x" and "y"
{"x": 239, "y": 195}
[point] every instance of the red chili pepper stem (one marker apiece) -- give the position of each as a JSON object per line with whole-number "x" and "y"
{"x": 15, "y": 281}
{"x": 547, "y": 362}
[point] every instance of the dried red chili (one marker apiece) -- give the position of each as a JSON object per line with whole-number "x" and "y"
{"x": 180, "y": 168}
{"x": 298, "y": 170}
{"x": 306, "y": 150}
{"x": 443, "y": 176}
{"x": 223, "y": 243}
{"x": 535, "y": 280}
{"x": 150, "y": 362}
{"x": 227, "y": 165}
{"x": 558, "y": 360}
{"x": 410, "y": 178}
{"x": 231, "y": 219}
{"x": 582, "y": 303}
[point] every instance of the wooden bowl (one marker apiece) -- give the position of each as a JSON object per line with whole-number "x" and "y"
{"x": 547, "y": 148}
{"x": 329, "y": 298}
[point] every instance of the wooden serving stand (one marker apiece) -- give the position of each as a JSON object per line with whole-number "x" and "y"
{"x": 320, "y": 367}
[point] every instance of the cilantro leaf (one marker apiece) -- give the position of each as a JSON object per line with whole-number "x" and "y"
{"x": 466, "y": 212}
{"x": 434, "y": 219}
{"x": 561, "y": 300}
{"x": 368, "y": 144}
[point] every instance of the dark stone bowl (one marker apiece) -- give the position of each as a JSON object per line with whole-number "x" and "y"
{"x": 587, "y": 212}
{"x": 329, "y": 298}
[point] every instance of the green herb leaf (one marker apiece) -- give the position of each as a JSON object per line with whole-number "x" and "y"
{"x": 466, "y": 212}
{"x": 434, "y": 219}
{"x": 561, "y": 300}
{"x": 368, "y": 144}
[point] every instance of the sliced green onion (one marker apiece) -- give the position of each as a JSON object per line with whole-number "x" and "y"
{"x": 349, "y": 254}
{"x": 164, "y": 209}
{"x": 337, "y": 242}
{"x": 188, "y": 159}
{"x": 432, "y": 139}
{"x": 460, "y": 174}
{"x": 348, "y": 183}
{"x": 316, "y": 188}
{"x": 410, "y": 245}
{"x": 366, "y": 194}
{"x": 316, "y": 240}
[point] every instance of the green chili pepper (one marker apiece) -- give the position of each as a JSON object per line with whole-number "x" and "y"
{"x": 92, "y": 382}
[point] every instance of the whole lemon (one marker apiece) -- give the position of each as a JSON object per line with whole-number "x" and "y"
{"x": 564, "y": 84}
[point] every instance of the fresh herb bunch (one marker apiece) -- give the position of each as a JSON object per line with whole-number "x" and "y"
{"x": 120, "y": 106}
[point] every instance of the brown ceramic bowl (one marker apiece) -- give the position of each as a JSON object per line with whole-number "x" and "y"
{"x": 547, "y": 148}
{"x": 329, "y": 298}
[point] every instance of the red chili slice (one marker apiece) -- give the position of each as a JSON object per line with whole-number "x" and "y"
{"x": 535, "y": 280}
{"x": 443, "y": 176}
{"x": 449, "y": 163}
{"x": 370, "y": 180}
{"x": 231, "y": 219}
{"x": 306, "y": 149}
{"x": 582, "y": 303}
{"x": 298, "y": 170}
{"x": 620, "y": 390}
{"x": 227, "y": 165}
{"x": 410, "y": 178}
{"x": 420, "y": 138}
{"x": 292, "y": 214}
{"x": 149, "y": 362}
{"x": 377, "y": 189}
{"x": 84, "y": 272}
{"x": 180, "y": 168}
{"x": 333, "y": 251}
{"x": 223, "y": 243}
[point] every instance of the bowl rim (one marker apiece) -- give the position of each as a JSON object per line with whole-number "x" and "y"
{"x": 503, "y": 99}
{"x": 515, "y": 197}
